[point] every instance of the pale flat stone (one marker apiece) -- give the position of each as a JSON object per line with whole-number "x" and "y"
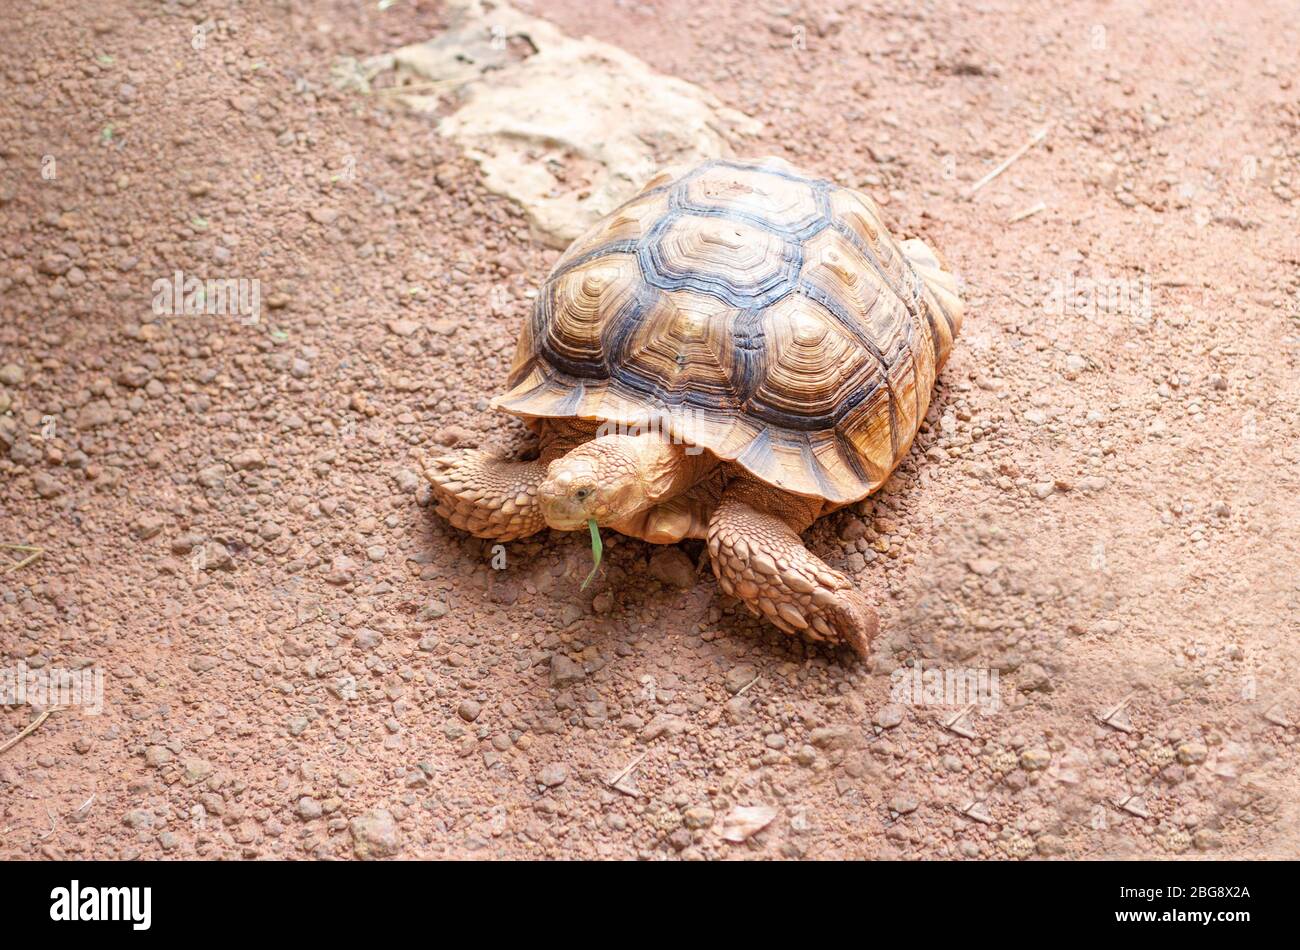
{"x": 568, "y": 107}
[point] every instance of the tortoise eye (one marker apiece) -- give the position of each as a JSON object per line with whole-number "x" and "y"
{"x": 582, "y": 493}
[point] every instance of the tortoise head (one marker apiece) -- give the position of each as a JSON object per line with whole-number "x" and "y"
{"x": 612, "y": 478}
{"x": 601, "y": 479}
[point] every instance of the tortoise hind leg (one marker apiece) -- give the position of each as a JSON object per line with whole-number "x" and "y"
{"x": 487, "y": 496}
{"x": 758, "y": 556}
{"x": 943, "y": 297}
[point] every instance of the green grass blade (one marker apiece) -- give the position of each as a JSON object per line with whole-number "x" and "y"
{"x": 597, "y": 549}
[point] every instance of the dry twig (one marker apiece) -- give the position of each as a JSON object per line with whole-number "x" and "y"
{"x": 34, "y": 553}
{"x": 1027, "y": 213}
{"x": 31, "y": 727}
{"x": 1011, "y": 160}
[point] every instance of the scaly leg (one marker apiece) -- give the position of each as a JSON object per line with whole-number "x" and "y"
{"x": 487, "y": 496}
{"x": 491, "y": 497}
{"x": 759, "y": 557}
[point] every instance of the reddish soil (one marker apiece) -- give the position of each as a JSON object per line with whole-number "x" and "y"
{"x": 1101, "y": 507}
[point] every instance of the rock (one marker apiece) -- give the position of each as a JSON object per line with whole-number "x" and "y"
{"x": 402, "y": 327}
{"x": 852, "y": 529}
{"x": 11, "y": 374}
{"x": 197, "y": 770}
{"x": 296, "y": 646}
{"x": 343, "y": 571}
{"x": 737, "y": 708}
{"x": 744, "y": 822}
{"x": 1034, "y": 760}
{"x": 308, "y": 808}
{"x": 247, "y": 460}
{"x": 138, "y": 819}
{"x": 375, "y": 835}
{"x": 212, "y": 476}
{"x": 454, "y": 435}
{"x": 185, "y": 543}
{"x": 1206, "y": 839}
{"x": 680, "y": 839}
{"x": 1192, "y": 753}
{"x": 148, "y": 526}
{"x": 1106, "y": 174}
{"x": 553, "y": 775}
{"x": 983, "y": 566}
{"x": 1050, "y": 846}
{"x": 903, "y": 804}
{"x": 888, "y": 716}
{"x": 407, "y": 480}
{"x": 95, "y": 414}
{"x": 833, "y": 737}
{"x": 217, "y": 557}
{"x": 698, "y": 816}
{"x": 469, "y": 710}
{"x": 1074, "y": 366}
{"x": 133, "y": 377}
{"x": 515, "y": 113}
{"x": 22, "y": 453}
{"x": 671, "y": 566}
{"x": 433, "y": 610}
{"x": 1032, "y": 677}
{"x": 54, "y": 264}
{"x": 564, "y": 672}
{"x": 47, "y": 486}
{"x": 663, "y": 725}
{"x": 738, "y": 677}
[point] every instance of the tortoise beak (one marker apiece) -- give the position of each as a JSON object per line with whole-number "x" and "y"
{"x": 567, "y": 497}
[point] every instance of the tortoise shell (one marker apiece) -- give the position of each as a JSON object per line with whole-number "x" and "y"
{"x": 764, "y": 315}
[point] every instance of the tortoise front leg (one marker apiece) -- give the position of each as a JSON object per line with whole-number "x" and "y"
{"x": 487, "y": 496}
{"x": 491, "y": 497}
{"x": 758, "y": 556}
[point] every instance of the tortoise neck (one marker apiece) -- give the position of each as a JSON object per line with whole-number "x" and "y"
{"x": 666, "y": 469}
{"x": 670, "y": 468}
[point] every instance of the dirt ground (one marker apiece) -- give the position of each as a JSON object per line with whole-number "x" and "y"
{"x": 299, "y": 660}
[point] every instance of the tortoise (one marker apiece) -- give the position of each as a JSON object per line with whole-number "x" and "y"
{"x": 733, "y": 353}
